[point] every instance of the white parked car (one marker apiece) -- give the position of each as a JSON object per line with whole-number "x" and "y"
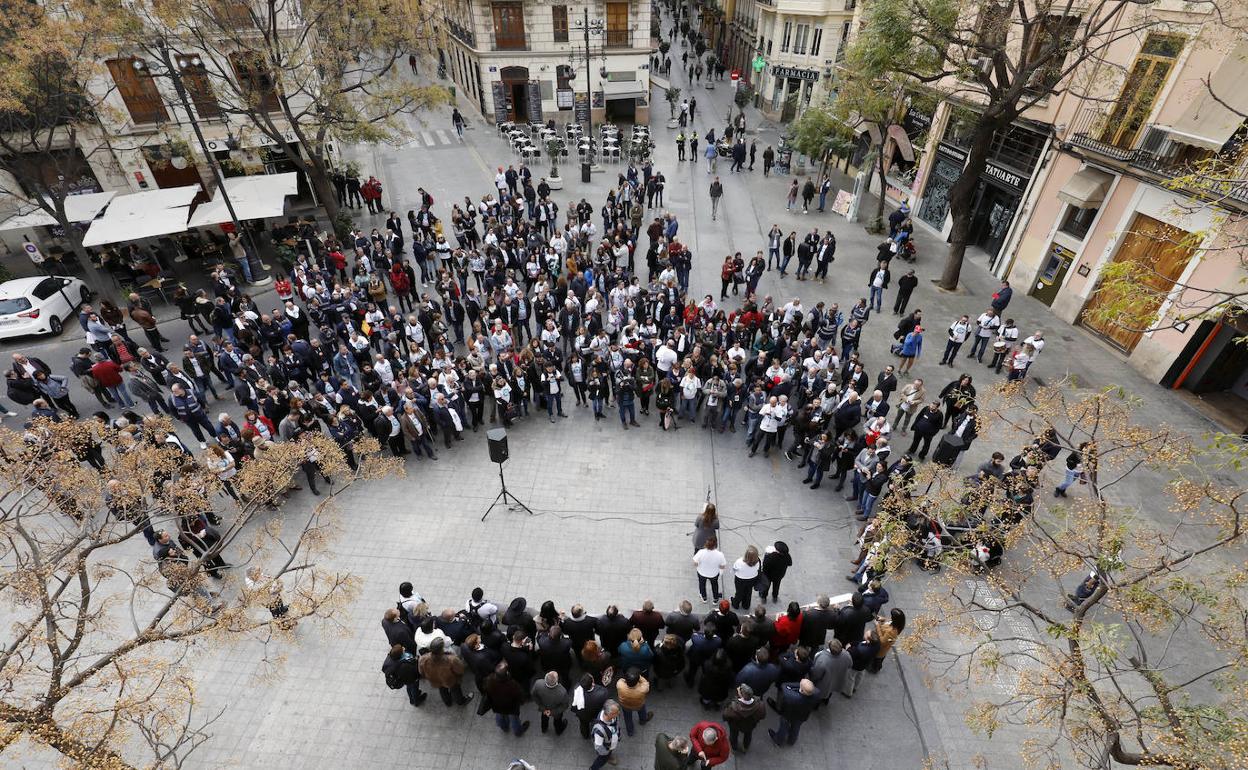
{"x": 40, "y": 304}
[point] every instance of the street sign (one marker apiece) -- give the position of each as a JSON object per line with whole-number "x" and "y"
{"x": 580, "y": 107}
{"x": 736, "y": 75}
{"x": 759, "y": 63}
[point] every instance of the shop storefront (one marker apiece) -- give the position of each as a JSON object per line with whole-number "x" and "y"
{"x": 792, "y": 89}
{"x": 998, "y": 194}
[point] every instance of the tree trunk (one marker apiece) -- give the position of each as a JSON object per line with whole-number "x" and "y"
{"x": 963, "y": 191}
{"x": 879, "y": 204}
{"x": 318, "y": 177}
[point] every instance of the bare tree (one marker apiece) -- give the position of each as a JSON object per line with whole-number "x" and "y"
{"x": 1119, "y": 631}
{"x": 101, "y": 622}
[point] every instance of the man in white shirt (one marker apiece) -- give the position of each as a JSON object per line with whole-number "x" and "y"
{"x": 772, "y": 416}
{"x": 665, "y": 357}
{"x": 986, "y": 326}
{"x": 958, "y": 331}
{"x": 1037, "y": 344}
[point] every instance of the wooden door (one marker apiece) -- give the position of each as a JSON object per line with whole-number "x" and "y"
{"x": 1158, "y": 248}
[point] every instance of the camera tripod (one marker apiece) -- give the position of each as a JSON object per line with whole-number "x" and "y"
{"x": 505, "y": 497}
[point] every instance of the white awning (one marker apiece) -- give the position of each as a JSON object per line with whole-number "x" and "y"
{"x": 254, "y": 197}
{"x": 1207, "y": 122}
{"x": 1086, "y": 188}
{"x": 143, "y": 215}
{"x": 78, "y": 208}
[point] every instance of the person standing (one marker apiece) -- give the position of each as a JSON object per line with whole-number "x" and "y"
{"x": 887, "y": 631}
{"x": 796, "y": 702}
{"x": 552, "y": 700}
{"x": 877, "y": 282}
{"x": 862, "y": 653}
{"x": 710, "y": 562}
{"x": 605, "y": 734}
{"x": 506, "y": 696}
{"x": 911, "y": 348}
{"x": 400, "y": 670}
{"x": 445, "y": 671}
{"x": 457, "y": 120}
{"x": 711, "y": 153}
{"x": 709, "y": 743}
{"x": 743, "y": 713}
{"x": 744, "y": 575}
{"x": 705, "y": 527}
{"x": 905, "y": 287}
{"x": 1001, "y": 299}
{"x": 985, "y": 329}
{"x": 957, "y": 334}
{"x": 776, "y": 563}
{"x": 769, "y": 160}
{"x": 631, "y": 691}
{"x": 1074, "y": 469}
{"x": 829, "y": 669}
{"x": 717, "y": 192}
{"x": 671, "y": 753}
{"x": 792, "y": 199}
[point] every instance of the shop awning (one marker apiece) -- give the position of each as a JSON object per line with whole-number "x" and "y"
{"x": 1086, "y": 188}
{"x": 254, "y": 197}
{"x": 627, "y": 95}
{"x": 871, "y": 129}
{"x": 78, "y": 208}
{"x": 899, "y": 137}
{"x": 1207, "y": 122}
{"x": 143, "y": 215}
{"x": 660, "y": 83}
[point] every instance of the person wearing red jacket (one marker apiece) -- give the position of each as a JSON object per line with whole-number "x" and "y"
{"x": 402, "y": 286}
{"x": 788, "y": 628}
{"x": 108, "y": 374}
{"x": 710, "y": 743}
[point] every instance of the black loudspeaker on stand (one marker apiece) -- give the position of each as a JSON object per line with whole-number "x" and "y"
{"x": 497, "y": 439}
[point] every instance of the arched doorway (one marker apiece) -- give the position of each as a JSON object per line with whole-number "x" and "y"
{"x": 516, "y": 84}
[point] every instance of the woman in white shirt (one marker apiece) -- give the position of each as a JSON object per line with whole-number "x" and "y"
{"x": 744, "y": 577}
{"x": 690, "y": 387}
{"x": 710, "y": 562}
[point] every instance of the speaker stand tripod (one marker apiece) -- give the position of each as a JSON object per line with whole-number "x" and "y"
{"x": 506, "y": 498}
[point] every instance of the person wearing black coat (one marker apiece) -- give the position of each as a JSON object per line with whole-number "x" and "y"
{"x": 579, "y": 628}
{"x": 851, "y": 620}
{"x": 776, "y": 563}
{"x": 926, "y": 425}
{"x": 479, "y": 658}
{"x": 401, "y": 666}
{"x": 717, "y": 680}
{"x": 613, "y": 629}
{"x": 506, "y": 696}
{"x": 520, "y": 659}
{"x": 797, "y": 702}
{"x": 587, "y": 702}
{"x": 398, "y": 632}
{"x": 816, "y": 620}
{"x": 905, "y": 287}
{"x": 554, "y": 653}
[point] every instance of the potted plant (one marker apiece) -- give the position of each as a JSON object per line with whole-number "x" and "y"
{"x": 673, "y": 99}
{"x": 554, "y": 147}
{"x": 742, "y": 97}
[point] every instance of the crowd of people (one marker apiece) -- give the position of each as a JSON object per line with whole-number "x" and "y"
{"x": 602, "y": 670}
{"x": 415, "y": 338}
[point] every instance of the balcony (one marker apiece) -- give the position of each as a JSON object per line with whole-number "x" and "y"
{"x": 1156, "y": 156}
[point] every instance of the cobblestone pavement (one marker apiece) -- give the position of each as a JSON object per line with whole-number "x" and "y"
{"x": 613, "y": 509}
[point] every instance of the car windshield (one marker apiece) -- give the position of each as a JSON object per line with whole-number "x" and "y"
{"x": 11, "y": 305}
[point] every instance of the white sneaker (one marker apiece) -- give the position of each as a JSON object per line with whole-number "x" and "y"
{"x": 10, "y": 414}
{"x": 202, "y": 445}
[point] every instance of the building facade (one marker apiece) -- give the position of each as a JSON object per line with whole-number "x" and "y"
{"x": 799, "y": 42}
{"x": 526, "y": 61}
{"x": 1125, "y": 184}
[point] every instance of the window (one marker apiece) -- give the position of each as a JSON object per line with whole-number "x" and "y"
{"x": 231, "y": 14}
{"x": 1016, "y": 147}
{"x": 138, "y": 90}
{"x": 799, "y": 43}
{"x": 559, "y": 19}
{"x": 565, "y": 75}
{"x": 198, "y": 88}
{"x": 508, "y": 26}
{"x": 1139, "y": 92}
{"x": 815, "y": 40}
{"x": 844, "y": 44}
{"x": 617, "y": 25}
{"x": 254, "y": 81}
{"x": 787, "y": 37}
{"x": 1054, "y": 31}
{"x": 46, "y": 288}
{"x": 1078, "y": 221}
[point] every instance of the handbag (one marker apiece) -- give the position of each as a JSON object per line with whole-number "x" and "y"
{"x": 762, "y": 584}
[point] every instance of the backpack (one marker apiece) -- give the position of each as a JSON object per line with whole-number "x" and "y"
{"x": 393, "y": 681}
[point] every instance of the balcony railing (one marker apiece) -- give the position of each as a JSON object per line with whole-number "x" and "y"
{"x": 1155, "y": 153}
